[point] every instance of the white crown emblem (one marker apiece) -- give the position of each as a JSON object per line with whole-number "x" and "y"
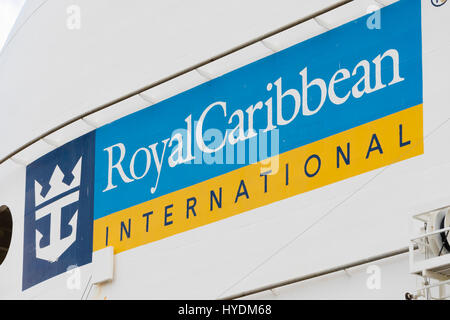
{"x": 57, "y": 186}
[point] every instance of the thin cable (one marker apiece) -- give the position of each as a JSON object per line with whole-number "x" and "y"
{"x": 303, "y": 232}
{"x": 322, "y": 217}
{"x": 87, "y": 285}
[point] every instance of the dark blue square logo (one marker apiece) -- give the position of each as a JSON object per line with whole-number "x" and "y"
{"x": 59, "y": 204}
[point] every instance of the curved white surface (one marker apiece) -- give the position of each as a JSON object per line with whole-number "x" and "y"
{"x": 50, "y": 74}
{"x": 362, "y": 216}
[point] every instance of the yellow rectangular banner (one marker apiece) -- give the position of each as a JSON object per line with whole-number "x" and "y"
{"x": 373, "y": 145}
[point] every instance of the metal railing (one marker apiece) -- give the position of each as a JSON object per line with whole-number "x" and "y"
{"x": 177, "y": 74}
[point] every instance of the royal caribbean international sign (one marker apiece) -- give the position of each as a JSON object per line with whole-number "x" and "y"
{"x": 340, "y": 104}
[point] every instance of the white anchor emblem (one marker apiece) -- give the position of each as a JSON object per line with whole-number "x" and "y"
{"x": 59, "y": 196}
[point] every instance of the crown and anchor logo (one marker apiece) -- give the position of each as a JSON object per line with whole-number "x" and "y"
{"x": 60, "y": 195}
